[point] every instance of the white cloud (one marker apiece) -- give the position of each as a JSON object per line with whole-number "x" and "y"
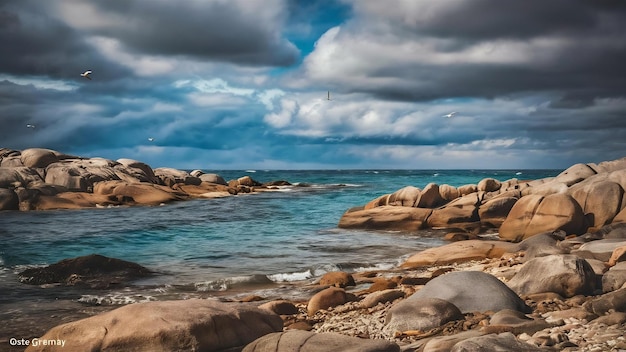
{"x": 282, "y": 118}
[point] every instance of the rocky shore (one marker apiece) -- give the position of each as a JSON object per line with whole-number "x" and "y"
{"x": 44, "y": 179}
{"x": 536, "y": 265}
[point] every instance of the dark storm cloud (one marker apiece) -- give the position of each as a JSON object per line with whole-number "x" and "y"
{"x": 36, "y": 44}
{"x": 209, "y": 30}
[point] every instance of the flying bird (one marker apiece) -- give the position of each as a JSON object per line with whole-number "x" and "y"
{"x": 150, "y": 139}
{"x": 86, "y": 74}
{"x": 28, "y": 125}
{"x": 450, "y": 114}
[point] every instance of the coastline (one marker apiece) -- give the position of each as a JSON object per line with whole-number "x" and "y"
{"x": 585, "y": 312}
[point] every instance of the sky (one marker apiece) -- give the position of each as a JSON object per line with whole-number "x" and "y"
{"x": 244, "y": 84}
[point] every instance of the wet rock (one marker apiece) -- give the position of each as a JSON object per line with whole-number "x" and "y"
{"x": 386, "y": 218}
{"x": 472, "y": 291}
{"x": 186, "y": 325}
{"x": 94, "y": 271}
{"x": 567, "y": 275}
{"x": 303, "y": 341}
{"x": 420, "y": 314}
{"x": 9, "y": 200}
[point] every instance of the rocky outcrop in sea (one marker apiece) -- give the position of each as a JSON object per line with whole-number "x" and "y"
{"x": 43, "y": 179}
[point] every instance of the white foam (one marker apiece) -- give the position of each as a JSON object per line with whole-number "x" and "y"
{"x": 289, "y": 277}
{"x": 115, "y": 299}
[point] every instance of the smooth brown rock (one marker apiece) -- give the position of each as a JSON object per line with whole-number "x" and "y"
{"x": 380, "y": 201}
{"x": 494, "y": 211}
{"x": 280, "y": 307}
{"x": 488, "y": 185}
{"x": 461, "y": 212}
{"x": 386, "y": 218}
{"x": 186, "y": 325}
{"x": 618, "y": 255}
{"x": 494, "y": 342}
{"x": 600, "y": 201}
{"x": 429, "y": 197}
{"x": 38, "y": 157}
{"x": 448, "y": 193}
{"x": 615, "y": 301}
{"x": 327, "y": 298}
{"x": 303, "y": 341}
{"x": 459, "y": 252}
{"x": 337, "y": 279}
{"x": 575, "y": 173}
{"x": 467, "y": 189}
{"x": 614, "y": 278}
{"x": 384, "y": 296}
{"x": 9, "y": 200}
{"x": 404, "y": 197}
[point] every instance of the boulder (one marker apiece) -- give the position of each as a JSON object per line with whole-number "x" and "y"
{"x": 142, "y": 172}
{"x": 534, "y": 214}
{"x": 186, "y": 325}
{"x": 494, "y": 342}
{"x": 600, "y": 201}
{"x": 461, "y": 212}
{"x": 248, "y": 181}
{"x": 575, "y": 174}
{"x": 374, "y": 298}
{"x": 611, "y": 165}
{"x": 566, "y": 275}
{"x": 380, "y": 201}
{"x": 445, "y": 343}
{"x": 9, "y": 200}
{"x": 448, "y": 193}
{"x": 542, "y": 245}
{"x": 459, "y": 252}
{"x": 614, "y": 278}
{"x": 94, "y": 271}
{"x": 488, "y": 185}
{"x": 515, "y": 322}
{"x": 337, "y": 279}
{"x": 404, "y": 197}
{"x": 467, "y": 189}
{"x": 327, "y": 298}
{"x": 213, "y": 178}
{"x": 429, "y": 197}
{"x": 81, "y": 174}
{"x": 420, "y": 314}
{"x": 280, "y": 307}
{"x": 385, "y": 218}
{"x": 494, "y": 211}
{"x": 600, "y": 249}
{"x": 545, "y": 189}
{"x": 304, "y": 341}
{"x": 618, "y": 255}
{"x": 600, "y": 305}
{"x": 472, "y": 291}
{"x": 139, "y": 193}
{"x": 18, "y": 176}
{"x": 38, "y": 157}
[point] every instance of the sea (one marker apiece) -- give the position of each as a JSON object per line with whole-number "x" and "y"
{"x": 270, "y": 244}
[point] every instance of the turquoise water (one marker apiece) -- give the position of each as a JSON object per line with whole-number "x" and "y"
{"x": 217, "y": 245}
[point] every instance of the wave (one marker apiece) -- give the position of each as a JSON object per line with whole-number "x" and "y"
{"x": 114, "y": 299}
{"x": 232, "y": 282}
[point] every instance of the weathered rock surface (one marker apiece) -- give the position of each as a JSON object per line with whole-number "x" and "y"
{"x": 472, "y": 291}
{"x": 303, "y": 341}
{"x": 338, "y": 279}
{"x": 386, "y": 217}
{"x": 567, "y": 275}
{"x": 94, "y": 271}
{"x": 494, "y": 342}
{"x": 420, "y": 314}
{"x": 187, "y": 325}
{"x": 330, "y": 297}
{"x": 459, "y": 252}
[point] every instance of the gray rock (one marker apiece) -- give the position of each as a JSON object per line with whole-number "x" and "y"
{"x": 614, "y": 278}
{"x": 494, "y": 342}
{"x": 9, "y": 200}
{"x": 567, "y": 275}
{"x": 601, "y": 249}
{"x": 38, "y": 157}
{"x": 600, "y": 305}
{"x": 420, "y": 314}
{"x": 472, "y": 291}
{"x": 305, "y": 341}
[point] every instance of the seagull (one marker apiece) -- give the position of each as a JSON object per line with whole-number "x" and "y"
{"x": 28, "y": 125}
{"x": 150, "y": 139}
{"x": 86, "y": 74}
{"x": 450, "y": 114}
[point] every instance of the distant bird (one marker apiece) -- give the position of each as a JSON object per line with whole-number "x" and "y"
{"x": 86, "y": 74}
{"x": 328, "y": 98}
{"x": 150, "y": 139}
{"x": 450, "y": 114}
{"x": 28, "y": 125}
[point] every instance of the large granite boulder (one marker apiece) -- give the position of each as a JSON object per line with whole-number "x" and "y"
{"x": 600, "y": 249}
{"x": 79, "y": 175}
{"x": 494, "y": 211}
{"x": 489, "y": 185}
{"x": 612, "y": 301}
{"x": 94, "y": 271}
{"x": 304, "y": 341}
{"x": 448, "y": 193}
{"x": 459, "y": 252}
{"x": 614, "y": 278}
{"x": 139, "y": 171}
{"x": 213, "y": 178}
{"x": 187, "y": 325}
{"x": 11, "y": 177}
{"x": 575, "y": 173}
{"x": 534, "y": 214}
{"x": 138, "y": 193}
{"x": 472, "y": 291}
{"x": 385, "y": 218}
{"x": 566, "y": 275}
{"x": 404, "y": 197}
{"x": 170, "y": 177}
{"x": 429, "y": 197}
{"x": 420, "y": 314}
{"x": 461, "y": 212}
{"x": 38, "y": 157}
{"x": 600, "y": 200}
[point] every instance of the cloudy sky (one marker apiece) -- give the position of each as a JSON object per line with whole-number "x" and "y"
{"x": 241, "y": 84}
